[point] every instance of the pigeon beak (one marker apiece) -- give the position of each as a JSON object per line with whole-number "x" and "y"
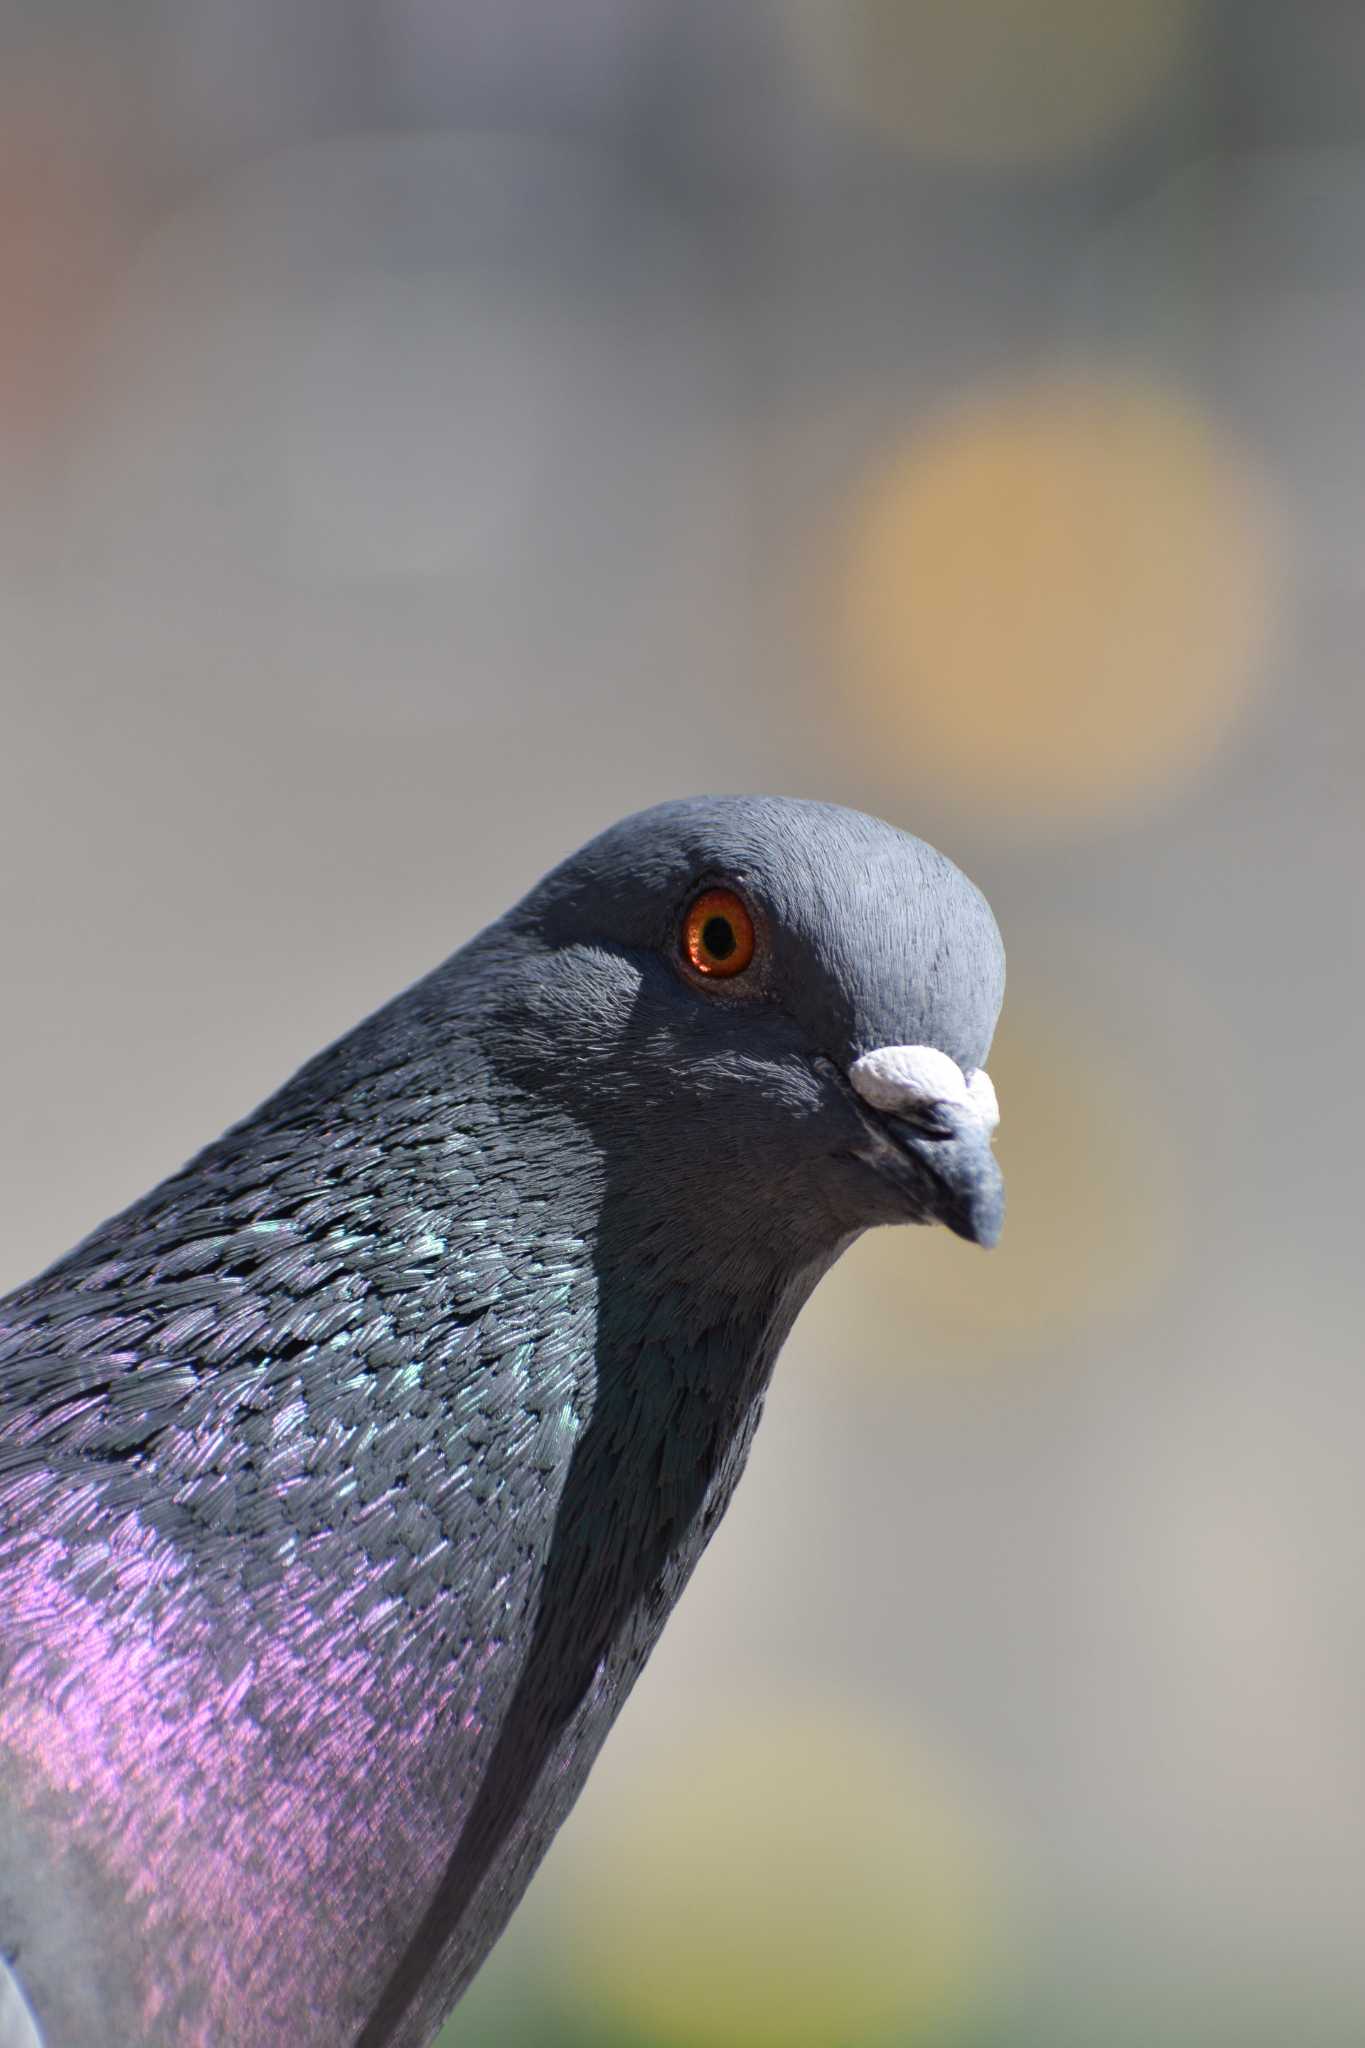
{"x": 933, "y": 1127}
{"x": 965, "y": 1184}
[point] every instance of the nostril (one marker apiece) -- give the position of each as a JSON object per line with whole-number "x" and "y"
{"x": 936, "y": 1120}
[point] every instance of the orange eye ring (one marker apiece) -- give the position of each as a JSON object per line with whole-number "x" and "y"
{"x": 718, "y": 934}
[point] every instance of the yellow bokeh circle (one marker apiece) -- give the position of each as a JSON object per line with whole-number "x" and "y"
{"x": 787, "y": 1881}
{"x": 991, "y": 82}
{"x": 1054, "y": 601}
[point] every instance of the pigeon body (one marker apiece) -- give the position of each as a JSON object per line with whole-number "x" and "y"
{"x": 347, "y": 1479}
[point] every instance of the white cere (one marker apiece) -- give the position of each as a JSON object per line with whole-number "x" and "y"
{"x": 903, "y": 1079}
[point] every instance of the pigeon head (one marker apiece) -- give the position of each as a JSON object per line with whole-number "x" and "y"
{"x": 778, "y": 1004}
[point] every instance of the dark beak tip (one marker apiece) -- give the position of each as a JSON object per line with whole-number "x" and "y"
{"x": 978, "y": 1215}
{"x": 980, "y": 1226}
{"x": 988, "y": 1228}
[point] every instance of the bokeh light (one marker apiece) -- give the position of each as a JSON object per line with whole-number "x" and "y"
{"x": 992, "y": 82}
{"x": 1056, "y": 597}
{"x": 788, "y": 1879}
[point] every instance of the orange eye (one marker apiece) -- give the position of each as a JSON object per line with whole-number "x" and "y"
{"x": 718, "y": 934}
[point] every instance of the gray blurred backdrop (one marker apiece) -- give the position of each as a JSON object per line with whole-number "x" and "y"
{"x": 430, "y": 428}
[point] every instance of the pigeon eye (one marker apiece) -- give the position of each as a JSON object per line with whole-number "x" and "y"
{"x": 718, "y": 934}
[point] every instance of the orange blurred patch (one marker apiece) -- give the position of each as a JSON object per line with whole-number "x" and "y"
{"x": 1054, "y": 601}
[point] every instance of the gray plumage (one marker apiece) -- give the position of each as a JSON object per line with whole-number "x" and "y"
{"x": 347, "y": 1479}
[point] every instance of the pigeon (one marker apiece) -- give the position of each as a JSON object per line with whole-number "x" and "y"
{"x": 347, "y": 1478}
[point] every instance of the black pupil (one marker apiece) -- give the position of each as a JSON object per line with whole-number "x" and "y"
{"x": 718, "y": 937}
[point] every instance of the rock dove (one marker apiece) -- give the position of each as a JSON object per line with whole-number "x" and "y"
{"x": 348, "y": 1478}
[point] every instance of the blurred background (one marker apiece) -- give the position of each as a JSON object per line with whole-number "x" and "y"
{"x": 430, "y": 428}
